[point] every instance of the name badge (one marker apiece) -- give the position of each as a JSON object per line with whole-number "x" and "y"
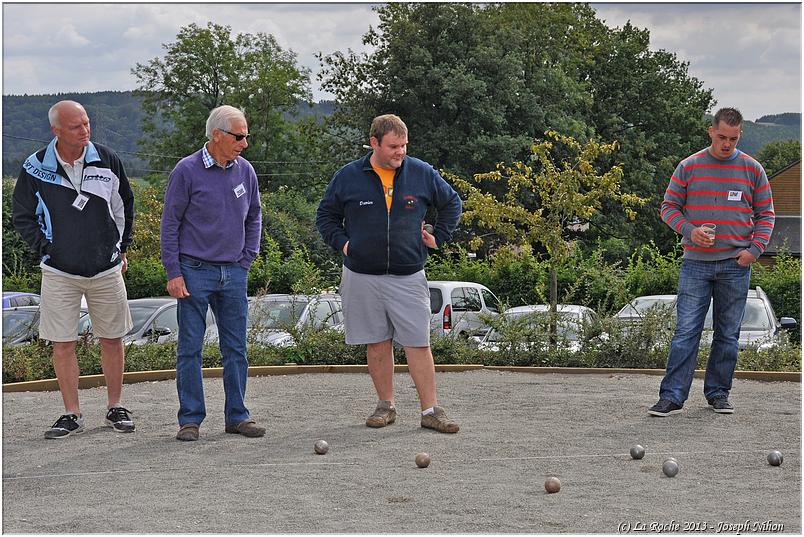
{"x": 239, "y": 190}
{"x": 735, "y": 195}
{"x": 80, "y": 202}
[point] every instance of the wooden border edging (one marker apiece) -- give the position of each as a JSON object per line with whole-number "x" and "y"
{"x": 93, "y": 381}
{"x": 767, "y": 376}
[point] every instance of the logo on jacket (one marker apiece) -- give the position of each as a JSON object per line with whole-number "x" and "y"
{"x": 410, "y": 202}
{"x": 366, "y": 203}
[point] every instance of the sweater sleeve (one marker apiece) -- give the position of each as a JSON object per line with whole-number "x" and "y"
{"x": 329, "y": 217}
{"x": 449, "y": 207}
{"x": 764, "y": 214}
{"x": 176, "y": 200}
{"x": 253, "y": 224}
{"x": 675, "y": 197}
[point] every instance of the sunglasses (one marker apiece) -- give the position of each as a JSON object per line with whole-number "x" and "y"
{"x": 238, "y": 137}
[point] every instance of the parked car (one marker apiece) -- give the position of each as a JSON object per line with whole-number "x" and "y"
{"x": 272, "y": 318}
{"x": 13, "y": 299}
{"x": 759, "y": 326}
{"x": 155, "y": 320}
{"x": 533, "y": 321}
{"x": 457, "y": 308}
{"x": 21, "y": 324}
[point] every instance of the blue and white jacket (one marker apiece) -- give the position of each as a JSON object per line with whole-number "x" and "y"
{"x": 381, "y": 241}
{"x": 81, "y": 243}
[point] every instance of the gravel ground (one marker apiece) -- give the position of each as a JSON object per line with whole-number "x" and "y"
{"x": 517, "y": 429}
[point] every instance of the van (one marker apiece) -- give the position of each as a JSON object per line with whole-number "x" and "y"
{"x": 456, "y": 308}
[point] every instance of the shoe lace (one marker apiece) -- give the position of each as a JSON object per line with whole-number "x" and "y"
{"x": 119, "y": 413}
{"x": 64, "y": 420}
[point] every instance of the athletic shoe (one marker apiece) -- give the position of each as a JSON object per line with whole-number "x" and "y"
{"x": 384, "y": 414}
{"x": 118, "y": 418}
{"x": 439, "y": 421}
{"x": 664, "y": 408}
{"x": 65, "y": 426}
{"x": 721, "y": 405}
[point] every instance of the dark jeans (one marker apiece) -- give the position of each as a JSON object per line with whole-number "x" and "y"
{"x": 223, "y": 288}
{"x": 725, "y": 283}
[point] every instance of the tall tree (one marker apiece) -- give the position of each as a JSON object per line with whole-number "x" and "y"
{"x": 776, "y": 155}
{"x": 477, "y": 83}
{"x": 208, "y": 67}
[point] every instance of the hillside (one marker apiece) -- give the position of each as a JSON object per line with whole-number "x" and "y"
{"x": 116, "y": 117}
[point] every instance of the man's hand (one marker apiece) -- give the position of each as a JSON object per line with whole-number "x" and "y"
{"x": 176, "y": 288}
{"x": 346, "y": 248}
{"x": 701, "y": 238}
{"x": 745, "y": 258}
{"x": 427, "y": 237}
{"x": 125, "y": 263}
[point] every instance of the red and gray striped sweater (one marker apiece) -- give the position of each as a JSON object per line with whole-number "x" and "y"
{"x": 734, "y": 194}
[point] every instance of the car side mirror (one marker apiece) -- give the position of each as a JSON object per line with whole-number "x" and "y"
{"x": 788, "y": 322}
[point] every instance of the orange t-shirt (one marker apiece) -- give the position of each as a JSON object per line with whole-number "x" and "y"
{"x": 387, "y": 178}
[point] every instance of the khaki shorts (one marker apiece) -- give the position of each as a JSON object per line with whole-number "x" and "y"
{"x": 377, "y": 308}
{"x": 60, "y": 307}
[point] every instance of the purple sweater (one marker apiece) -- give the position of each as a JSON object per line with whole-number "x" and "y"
{"x": 209, "y": 215}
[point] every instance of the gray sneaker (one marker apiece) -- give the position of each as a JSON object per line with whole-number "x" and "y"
{"x": 721, "y": 405}
{"x": 439, "y": 421}
{"x": 65, "y": 426}
{"x": 384, "y": 414}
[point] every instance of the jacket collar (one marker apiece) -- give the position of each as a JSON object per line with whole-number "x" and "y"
{"x": 365, "y": 164}
{"x": 51, "y": 163}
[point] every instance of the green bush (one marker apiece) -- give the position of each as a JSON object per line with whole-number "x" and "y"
{"x": 782, "y": 283}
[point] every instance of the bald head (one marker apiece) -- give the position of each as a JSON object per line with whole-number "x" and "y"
{"x": 62, "y": 108}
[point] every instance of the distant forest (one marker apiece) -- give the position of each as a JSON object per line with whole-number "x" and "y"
{"x": 116, "y": 118}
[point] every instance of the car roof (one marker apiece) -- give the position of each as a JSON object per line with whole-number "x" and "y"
{"x": 450, "y": 283}
{"x": 156, "y": 301}
{"x": 12, "y": 294}
{"x": 562, "y": 308}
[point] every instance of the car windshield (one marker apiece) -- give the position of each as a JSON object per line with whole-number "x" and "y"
{"x": 639, "y": 306}
{"x": 279, "y": 313}
{"x": 16, "y": 323}
{"x": 140, "y": 315}
{"x": 755, "y": 317}
{"x": 537, "y": 323}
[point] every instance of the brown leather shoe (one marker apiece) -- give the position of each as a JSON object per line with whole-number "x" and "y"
{"x": 247, "y": 427}
{"x": 188, "y": 432}
{"x": 439, "y": 421}
{"x": 384, "y": 414}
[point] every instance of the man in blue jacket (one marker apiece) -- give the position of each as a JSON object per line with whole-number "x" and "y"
{"x": 373, "y": 212}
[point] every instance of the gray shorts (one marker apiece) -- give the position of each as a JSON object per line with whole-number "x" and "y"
{"x": 377, "y": 308}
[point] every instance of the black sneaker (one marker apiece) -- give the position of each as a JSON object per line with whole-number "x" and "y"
{"x": 65, "y": 426}
{"x": 664, "y": 408}
{"x": 721, "y": 405}
{"x": 118, "y": 418}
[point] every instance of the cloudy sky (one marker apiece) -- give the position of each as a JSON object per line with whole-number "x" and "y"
{"x": 749, "y": 54}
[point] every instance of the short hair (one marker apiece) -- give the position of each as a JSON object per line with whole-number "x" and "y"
{"x": 53, "y": 113}
{"x": 221, "y": 118}
{"x": 382, "y": 125}
{"x": 730, "y": 116}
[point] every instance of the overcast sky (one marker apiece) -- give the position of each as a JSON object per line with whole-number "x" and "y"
{"x": 749, "y": 54}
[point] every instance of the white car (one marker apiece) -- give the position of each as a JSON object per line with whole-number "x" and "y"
{"x": 458, "y": 308}
{"x": 155, "y": 321}
{"x": 532, "y": 323}
{"x": 758, "y": 329}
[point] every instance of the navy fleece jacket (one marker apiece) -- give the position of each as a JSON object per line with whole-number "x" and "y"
{"x": 383, "y": 242}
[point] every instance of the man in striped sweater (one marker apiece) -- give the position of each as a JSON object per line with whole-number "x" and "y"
{"x": 723, "y": 186}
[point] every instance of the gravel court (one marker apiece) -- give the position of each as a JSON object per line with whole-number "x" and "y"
{"x": 517, "y": 429}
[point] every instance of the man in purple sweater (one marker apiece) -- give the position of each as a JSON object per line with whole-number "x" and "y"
{"x": 210, "y": 235}
{"x": 723, "y": 186}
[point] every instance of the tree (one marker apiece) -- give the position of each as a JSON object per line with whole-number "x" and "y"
{"x": 548, "y": 198}
{"x": 777, "y": 155}
{"x": 207, "y": 67}
{"x": 476, "y": 83}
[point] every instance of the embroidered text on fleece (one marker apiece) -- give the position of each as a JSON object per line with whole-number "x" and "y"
{"x": 381, "y": 241}
{"x": 733, "y": 194}
{"x": 81, "y": 242}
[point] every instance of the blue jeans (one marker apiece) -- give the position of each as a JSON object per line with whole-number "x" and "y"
{"x": 222, "y": 287}
{"x": 725, "y": 283}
